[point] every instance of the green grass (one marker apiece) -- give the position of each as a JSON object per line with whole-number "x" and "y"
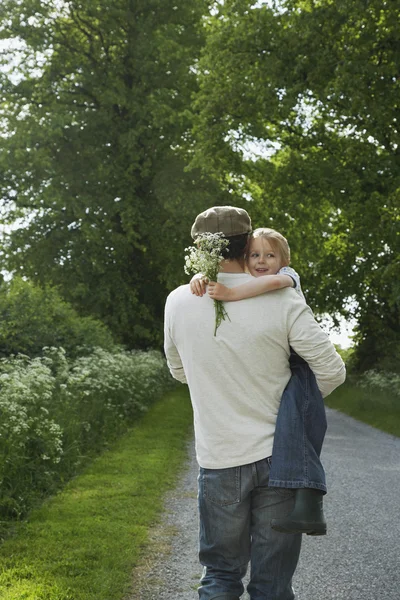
{"x": 83, "y": 543}
{"x": 376, "y": 408}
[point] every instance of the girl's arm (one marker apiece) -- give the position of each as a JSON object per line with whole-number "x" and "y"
{"x": 260, "y": 285}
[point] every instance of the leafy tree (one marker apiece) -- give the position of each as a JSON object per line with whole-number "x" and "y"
{"x": 299, "y": 112}
{"x": 96, "y": 128}
{"x": 32, "y": 317}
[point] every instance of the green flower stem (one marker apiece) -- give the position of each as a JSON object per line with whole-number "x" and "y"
{"x": 220, "y": 314}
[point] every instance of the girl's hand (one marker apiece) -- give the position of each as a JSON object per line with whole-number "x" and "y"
{"x": 217, "y": 291}
{"x": 198, "y": 284}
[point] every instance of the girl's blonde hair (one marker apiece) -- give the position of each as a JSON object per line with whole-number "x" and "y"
{"x": 277, "y": 241}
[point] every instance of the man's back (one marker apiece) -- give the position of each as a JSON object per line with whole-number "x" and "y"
{"x": 236, "y": 378}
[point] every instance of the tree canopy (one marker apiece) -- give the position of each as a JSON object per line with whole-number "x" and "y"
{"x": 121, "y": 121}
{"x": 95, "y": 110}
{"x": 299, "y": 109}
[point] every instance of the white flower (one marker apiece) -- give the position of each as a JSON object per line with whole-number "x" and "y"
{"x": 206, "y": 258}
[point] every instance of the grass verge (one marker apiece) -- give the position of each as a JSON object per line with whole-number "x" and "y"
{"x": 83, "y": 543}
{"x": 377, "y": 408}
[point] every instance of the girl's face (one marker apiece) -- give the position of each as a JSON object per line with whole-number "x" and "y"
{"x": 262, "y": 258}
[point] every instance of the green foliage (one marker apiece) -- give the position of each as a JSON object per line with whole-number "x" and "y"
{"x": 374, "y": 406}
{"x": 30, "y": 440}
{"x": 288, "y": 108}
{"x": 386, "y": 382}
{"x": 298, "y": 110}
{"x": 94, "y": 114}
{"x": 83, "y": 543}
{"x": 346, "y": 354}
{"x": 56, "y": 413}
{"x": 32, "y": 317}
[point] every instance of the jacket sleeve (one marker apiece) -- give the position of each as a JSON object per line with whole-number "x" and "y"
{"x": 311, "y": 343}
{"x": 174, "y": 361}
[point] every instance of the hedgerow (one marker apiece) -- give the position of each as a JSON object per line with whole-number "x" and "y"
{"x": 56, "y": 413}
{"x": 381, "y": 380}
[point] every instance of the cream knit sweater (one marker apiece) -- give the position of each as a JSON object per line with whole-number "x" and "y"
{"x": 236, "y": 378}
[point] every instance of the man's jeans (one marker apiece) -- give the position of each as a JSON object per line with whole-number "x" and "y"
{"x": 236, "y": 506}
{"x": 299, "y": 432}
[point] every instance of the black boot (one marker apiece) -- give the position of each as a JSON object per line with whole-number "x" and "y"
{"x": 307, "y": 515}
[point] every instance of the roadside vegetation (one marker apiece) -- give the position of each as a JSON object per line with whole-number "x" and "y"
{"x": 83, "y": 543}
{"x": 375, "y": 407}
{"x": 372, "y": 397}
{"x": 91, "y": 435}
{"x": 58, "y": 413}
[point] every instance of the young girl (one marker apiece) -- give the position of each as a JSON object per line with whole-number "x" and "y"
{"x": 301, "y": 422}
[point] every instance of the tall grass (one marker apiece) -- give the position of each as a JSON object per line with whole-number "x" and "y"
{"x": 373, "y": 404}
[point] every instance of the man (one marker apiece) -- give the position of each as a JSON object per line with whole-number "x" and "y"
{"x": 236, "y": 380}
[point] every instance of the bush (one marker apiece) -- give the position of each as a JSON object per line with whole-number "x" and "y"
{"x": 30, "y": 440}
{"x": 56, "y": 413}
{"x": 346, "y": 353}
{"x": 384, "y": 381}
{"x": 32, "y": 317}
{"x": 103, "y": 392}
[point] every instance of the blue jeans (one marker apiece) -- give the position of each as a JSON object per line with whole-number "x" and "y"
{"x": 299, "y": 432}
{"x": 236, "y": 506}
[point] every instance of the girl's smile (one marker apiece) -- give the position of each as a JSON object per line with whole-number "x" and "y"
{"x": 262, "y": 258}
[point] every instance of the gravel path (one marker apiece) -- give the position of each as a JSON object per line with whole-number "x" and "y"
{"x": 359, "y": 559}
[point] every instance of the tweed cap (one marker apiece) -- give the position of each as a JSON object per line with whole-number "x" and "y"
{"x": 229, "y": 220}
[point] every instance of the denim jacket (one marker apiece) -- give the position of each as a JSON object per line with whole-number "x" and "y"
{"x": 299, "y": 432}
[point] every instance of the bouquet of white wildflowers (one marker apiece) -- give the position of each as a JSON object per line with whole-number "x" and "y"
{"x": 205, "y": 258}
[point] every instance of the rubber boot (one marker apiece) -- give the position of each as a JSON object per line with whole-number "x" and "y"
{"x": 307, "y": 515}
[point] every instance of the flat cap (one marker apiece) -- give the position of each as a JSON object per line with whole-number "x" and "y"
{"x": 229, "y": 220}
